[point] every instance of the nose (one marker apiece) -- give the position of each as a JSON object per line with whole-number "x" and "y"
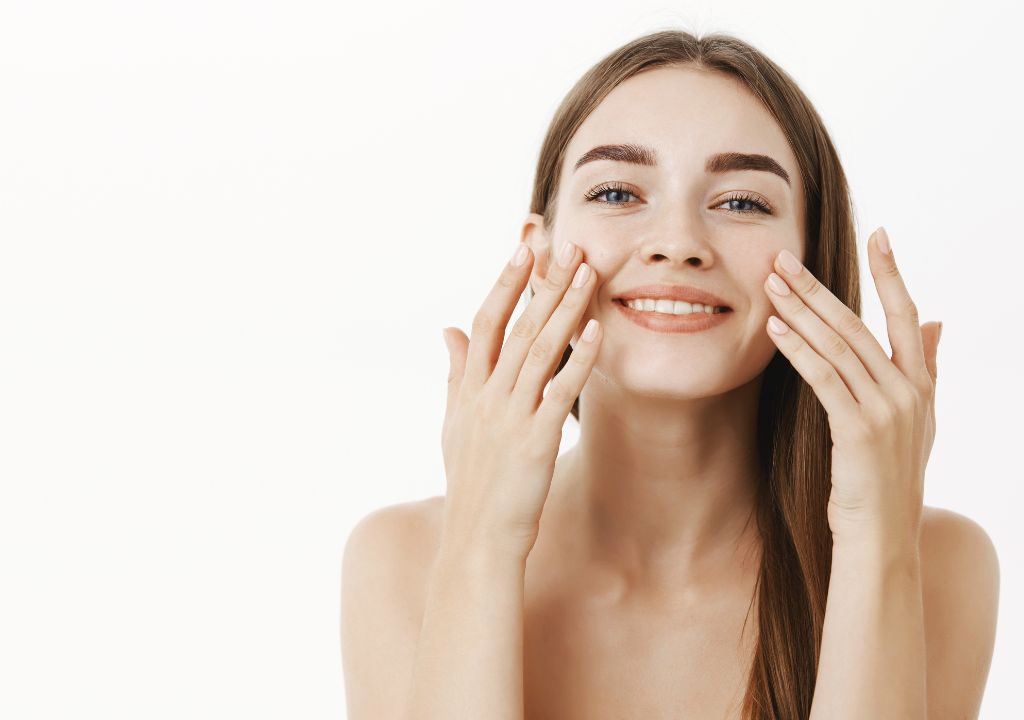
{"x": 676, "y": 246}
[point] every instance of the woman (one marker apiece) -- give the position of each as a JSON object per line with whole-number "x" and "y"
{"x": 739, "y": 531}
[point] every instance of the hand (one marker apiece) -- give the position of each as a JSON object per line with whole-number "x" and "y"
{"x": 501, "y": 431}
{"x": 881, "y": 411}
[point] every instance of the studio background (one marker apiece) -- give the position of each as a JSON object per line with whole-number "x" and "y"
{"x": 232, "y": 232}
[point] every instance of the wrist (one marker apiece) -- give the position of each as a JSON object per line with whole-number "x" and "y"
{"x": 481, "y": 550}
{"x": 895, "y": 552}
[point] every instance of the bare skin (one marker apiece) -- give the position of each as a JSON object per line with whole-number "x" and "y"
{"x": 642, "y": 574}
{"x": 593, "y": 651}
{"x": 647, "y": 555}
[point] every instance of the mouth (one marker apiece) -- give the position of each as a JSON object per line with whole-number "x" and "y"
{"x": 671, "y": 307}
{"x": 682, "y": 318}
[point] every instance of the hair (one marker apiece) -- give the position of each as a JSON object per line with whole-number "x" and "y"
{"x": 794, "y": 443}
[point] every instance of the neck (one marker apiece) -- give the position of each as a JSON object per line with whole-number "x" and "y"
{"x": 663, "y": 490}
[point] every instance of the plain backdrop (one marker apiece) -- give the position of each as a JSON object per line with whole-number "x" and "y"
{"x": 232, "y": 232}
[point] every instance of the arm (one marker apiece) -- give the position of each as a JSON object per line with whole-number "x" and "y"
{"x": 871, "y": 647}
{"x": 872, "y": 660}
{"x": 381, "y": 589}
{"x": 960, "y": 572}
{"x": 469, "y": 662}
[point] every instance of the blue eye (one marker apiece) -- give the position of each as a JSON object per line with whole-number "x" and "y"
{"x": 760, "y": 206}
{"x": 606, "y": 188}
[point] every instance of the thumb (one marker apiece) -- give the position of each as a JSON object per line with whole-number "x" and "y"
{"x": 930, "y": 333}
{"x": 458, "y": 346}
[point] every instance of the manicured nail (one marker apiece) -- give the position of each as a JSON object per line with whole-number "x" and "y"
{"x": 582, "y": 273}
{"x": 939, "y": 335}
{"x": 882, "y": 240}
{"x": 777, "y": 326}
{"x": 519, "y": 257}
{"x": 778, "y": 285}
{"x": 789, "y": 262}
{"x": 565, "y": 257}
{"x": 590, "y": 331}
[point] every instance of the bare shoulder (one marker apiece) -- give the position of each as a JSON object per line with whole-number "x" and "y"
{"x": 954, "y": 542}
{"x": 386, "y": 562}
{"x": 396, "y": 543}
{"x": 960, "y": 584}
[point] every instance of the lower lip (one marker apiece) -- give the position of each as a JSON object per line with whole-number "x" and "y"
{"x": 663, "y": 322}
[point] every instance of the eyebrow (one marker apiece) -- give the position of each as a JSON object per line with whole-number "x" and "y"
{"x": 718, "y": 163}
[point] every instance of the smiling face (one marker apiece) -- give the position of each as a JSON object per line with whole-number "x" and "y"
{"x": 674, "y": 215}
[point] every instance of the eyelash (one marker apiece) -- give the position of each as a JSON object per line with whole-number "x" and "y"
{"x": 761, "y": 205}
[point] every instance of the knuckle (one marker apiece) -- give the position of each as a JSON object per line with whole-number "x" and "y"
{"x": 835, "y": 346}
{"x": 508, "y": 279}
{"x": 525, "y": 327}
{"x": 904, "y": 398}
{"x": 882, "y": 415}
{"x": 822, "y": 374}
{"x": 891, "y": 270}
{"x": 552, "y": 283}
{"x": 559, "y": 392}
{"x": 540, "y": 350}
{"x": 483, "y": 323}
{"x": 851, "y": 325}
{"x": 798, "y": 308}
{"x": 812, "y": 286}
{"x": 911, "y": 311}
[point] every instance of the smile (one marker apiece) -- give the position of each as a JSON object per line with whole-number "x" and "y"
{"x": 682, "y": 318}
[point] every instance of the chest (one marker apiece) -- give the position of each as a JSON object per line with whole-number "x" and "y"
{"x": 588, "y": 660}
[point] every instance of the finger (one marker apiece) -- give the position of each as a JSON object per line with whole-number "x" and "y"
{"x": 826, "y": 342}
{"x": 488, "y": 331}
{"x": 901, "y": 315}
{"x": 568, "y": 384}
{"x": 457, "y": 343}
{"x": 528, "y": 327}
{"x": 818, "y": 372}
{"x": 545, "y": 352}
{"x": 930, "y": 333}
{"x": 835, "y": 313}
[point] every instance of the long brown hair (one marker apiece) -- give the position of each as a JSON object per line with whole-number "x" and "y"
{"x": 794, "y": 442}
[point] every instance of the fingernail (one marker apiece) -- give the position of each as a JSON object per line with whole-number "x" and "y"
{"x": 789, "y": 262}
{"x": 882, "y": 240}
{"x": 590, "y": 331}
{"x": 519, "y": 257}
{"x": 566, "y": 255}
{"x": 777, "y": 326}
{"x": 444, "y": 336}
{"x": 582, "y": 273}
{"x": 940, "y": 334}
{"x": 778, "y": 285}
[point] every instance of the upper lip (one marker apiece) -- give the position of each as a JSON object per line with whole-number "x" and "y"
{"x": 673, "y": 292}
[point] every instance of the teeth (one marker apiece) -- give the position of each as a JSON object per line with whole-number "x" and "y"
{"x": 673, "y": 307}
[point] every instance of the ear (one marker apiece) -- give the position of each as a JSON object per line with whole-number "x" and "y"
{"x": 930, "y": 333}
{"x": 539, "y": 241}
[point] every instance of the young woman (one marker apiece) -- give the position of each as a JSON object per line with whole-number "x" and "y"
{"x": 739, "y": 531}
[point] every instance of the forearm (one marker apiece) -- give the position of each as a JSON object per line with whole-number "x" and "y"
{"x": 469, "y": 660}
{"x": 872, "y": 660}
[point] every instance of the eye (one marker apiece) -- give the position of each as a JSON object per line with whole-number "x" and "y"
{"x": 761, "y": 204}
{"x": 611, "y": 187}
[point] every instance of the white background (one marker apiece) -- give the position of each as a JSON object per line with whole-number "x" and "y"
{"x": 232, "y": 232}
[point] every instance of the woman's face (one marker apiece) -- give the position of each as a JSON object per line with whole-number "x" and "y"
{"x": 679, "y": 222}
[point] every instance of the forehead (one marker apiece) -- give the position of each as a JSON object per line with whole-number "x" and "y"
{"x": 686, "y": 114}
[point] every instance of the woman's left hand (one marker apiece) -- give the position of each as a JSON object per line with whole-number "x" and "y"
{"x": 881, "y": 410}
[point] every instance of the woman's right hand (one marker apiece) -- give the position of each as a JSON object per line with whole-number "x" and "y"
{"x": 501, "y": 431}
